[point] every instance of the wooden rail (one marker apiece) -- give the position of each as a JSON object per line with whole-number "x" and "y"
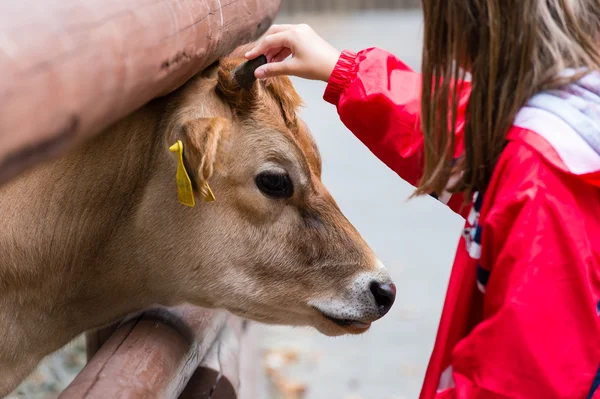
{"x": 70, "y": 68}
{"x": 183, "y": 352}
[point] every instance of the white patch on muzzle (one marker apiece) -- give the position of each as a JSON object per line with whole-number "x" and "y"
{"x": 355, "y": 302}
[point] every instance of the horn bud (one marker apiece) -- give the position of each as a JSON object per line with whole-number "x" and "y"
{"x": 243, "y": 75}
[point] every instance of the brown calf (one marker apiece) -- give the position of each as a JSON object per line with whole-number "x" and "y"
{"x": 100, "y": 233}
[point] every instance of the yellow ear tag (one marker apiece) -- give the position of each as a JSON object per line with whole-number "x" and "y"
{"x": 185, "y": 192}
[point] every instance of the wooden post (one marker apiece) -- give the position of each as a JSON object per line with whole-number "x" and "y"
{"x": 70, "y": 68}
{"x": 229, "y": 369}
{"x": 150, "y": 356}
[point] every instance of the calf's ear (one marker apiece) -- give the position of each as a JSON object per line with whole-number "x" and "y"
{"x": 237, "y": 84}
{"x": 202, "y": 140}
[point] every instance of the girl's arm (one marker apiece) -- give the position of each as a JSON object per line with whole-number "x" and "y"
{"x": 378, "y": 98}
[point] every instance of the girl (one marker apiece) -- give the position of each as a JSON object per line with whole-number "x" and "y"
{"x": 519, "y": 142}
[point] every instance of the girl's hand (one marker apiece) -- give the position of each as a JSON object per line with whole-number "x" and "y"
{"x": 312, "y": 57}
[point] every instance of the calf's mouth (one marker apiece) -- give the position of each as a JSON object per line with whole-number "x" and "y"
{"x": 357, "y": 324}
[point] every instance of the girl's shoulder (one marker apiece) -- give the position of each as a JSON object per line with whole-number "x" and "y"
{"x": 527, "y": 176}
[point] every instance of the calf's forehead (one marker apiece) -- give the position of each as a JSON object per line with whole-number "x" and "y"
{"x": 270, "y": 107}
{"x": 308, "y": 146}
{"x": 297, "y": 139}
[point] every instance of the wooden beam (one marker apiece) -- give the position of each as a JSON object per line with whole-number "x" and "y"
{"x": 228, "y": 369}
{"x": 152, "y": 355}
{"x": 70, "y": 68}
{"x": 95, "y": 339}
{"x": 221, "y": 374}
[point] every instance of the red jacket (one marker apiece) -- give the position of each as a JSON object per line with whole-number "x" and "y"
{"x": 521, "y": 315}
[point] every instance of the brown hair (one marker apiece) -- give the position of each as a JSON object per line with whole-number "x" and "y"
{"x": 512, "y": 49}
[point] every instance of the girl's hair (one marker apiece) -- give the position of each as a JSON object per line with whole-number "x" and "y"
{"x": 512, "y": 50}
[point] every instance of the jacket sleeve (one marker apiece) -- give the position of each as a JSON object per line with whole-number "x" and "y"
{"x": 540, "y": 328}
{"x": 378, "y": 98}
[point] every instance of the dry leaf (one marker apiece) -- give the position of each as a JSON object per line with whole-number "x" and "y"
{"x": 277, "y": 358}
{"x": 275, "y": 361}
{"x": 291, "y": 389}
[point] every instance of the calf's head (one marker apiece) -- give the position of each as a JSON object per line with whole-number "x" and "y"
{"x": 274, "y": 246}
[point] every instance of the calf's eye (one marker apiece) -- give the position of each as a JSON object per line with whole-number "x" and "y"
{"x": 275, "y": 185}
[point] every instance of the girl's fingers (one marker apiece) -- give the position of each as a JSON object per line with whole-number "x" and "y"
{"x": 280, "y": 39}
{"x": 272, "y": 53}
{"x": 275, "y": 69}
{"x": 282, "y": 55}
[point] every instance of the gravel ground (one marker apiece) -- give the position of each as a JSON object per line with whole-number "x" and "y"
{"x": 54, "y": 374}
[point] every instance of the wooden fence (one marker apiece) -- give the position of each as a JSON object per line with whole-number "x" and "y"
{"x": 183, "y": 352}
{"x": 342, "y": 6}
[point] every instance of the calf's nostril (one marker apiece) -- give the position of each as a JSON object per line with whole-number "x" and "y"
{"x": 384, "y": 295}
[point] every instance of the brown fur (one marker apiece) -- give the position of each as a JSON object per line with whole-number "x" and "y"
{"x": 99, "y": 234}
